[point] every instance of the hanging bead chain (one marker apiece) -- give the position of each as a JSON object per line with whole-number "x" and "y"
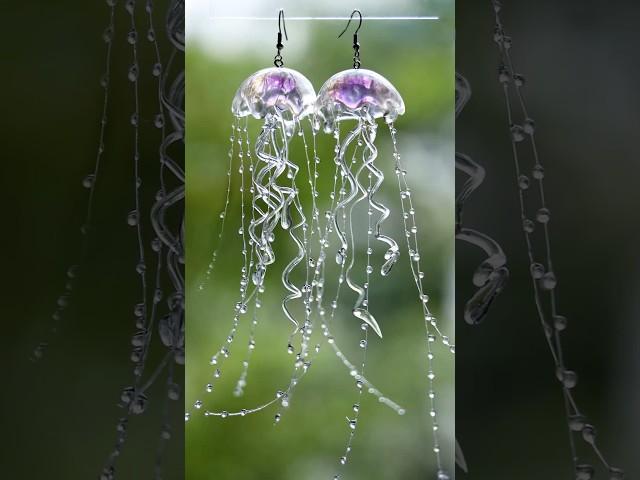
{"x": 134, "y": 218}
{"x": 88, "y": 182}
{"x": 257, "y": 304}
{"x": 156, "y": 245}
{"x": 145, "y": 332}
{"x": 319, "y": 270}
{"x": 544, "y": 280}
{"x": 353, "y": 422}
{"x": 411, "y": 234}
{"x": 241, "y": 306}
{"x": 133, "y": 398}
{"x": 222, "y": 216}
{"x": 303, "y": 360}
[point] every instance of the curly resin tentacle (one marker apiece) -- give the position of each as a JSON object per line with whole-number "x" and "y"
{"x": 274, "y": 167}
{"x": 358, "y": 311}
{"x": 345, "y": 171}
{"x": 393, "y": 253}
{"x": 355, "y": 187}
{"x": 492, "y": 274}
{"x": 291, "y": 198}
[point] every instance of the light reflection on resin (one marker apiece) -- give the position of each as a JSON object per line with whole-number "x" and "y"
{"x": 274, "y": 89}
{"x": 347, "y": 92}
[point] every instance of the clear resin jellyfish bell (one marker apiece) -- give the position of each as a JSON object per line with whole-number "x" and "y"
{"x": 356, "y": 93}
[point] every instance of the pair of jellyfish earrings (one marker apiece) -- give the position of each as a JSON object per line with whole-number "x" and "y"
{"x": 283, "y": 97}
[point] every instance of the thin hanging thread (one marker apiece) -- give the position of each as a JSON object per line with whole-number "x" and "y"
{"x": 313, "y": 19}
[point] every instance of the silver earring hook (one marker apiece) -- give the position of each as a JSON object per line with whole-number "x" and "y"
{"x": 281, "y": 24}
{"x": 277, "y": 61}
{"x": 356, "y": 45}
{"x": 349, "y": 22}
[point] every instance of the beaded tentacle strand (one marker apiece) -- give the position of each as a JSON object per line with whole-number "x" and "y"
{"x": 222, "y": 216}
{"x": 432, "y": 328}
{"x": 542, "y": 275}
{"x": 158, "y": 247}
{"x": 241, "y": 307}
{"x": 257, "y": 297}
{"x": 168, "y": 244}
{"x": 132, "y": 397}
{"x": 353, "y": 422}
{"x": 89, "y": 182}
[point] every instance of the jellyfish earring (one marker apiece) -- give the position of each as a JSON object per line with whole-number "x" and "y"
{"x": 281, "y": 98}
{"x": 360, "y": 97}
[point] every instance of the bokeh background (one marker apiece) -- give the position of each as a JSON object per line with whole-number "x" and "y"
{"x": 417, "y": 57}
{"x": 582, "y": 75}
{"x": 59, "y": 416}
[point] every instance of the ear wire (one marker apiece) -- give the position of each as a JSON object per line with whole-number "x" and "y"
{"x": 356, "y": 45}
{"x": 277, "y": 61}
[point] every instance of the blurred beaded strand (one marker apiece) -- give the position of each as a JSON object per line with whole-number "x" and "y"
{"x": 543, "y": 277}
{"x": 89, "y": 182}
{"x": 222, "y": 216}
{"x": 432, "y": 329}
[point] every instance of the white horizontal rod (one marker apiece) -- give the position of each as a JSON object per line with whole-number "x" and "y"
{"x": 293, "y": 19}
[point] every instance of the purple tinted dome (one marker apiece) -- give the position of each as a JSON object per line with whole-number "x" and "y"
{"x": 347, "y": 92}
{"x": 273, "y": 89}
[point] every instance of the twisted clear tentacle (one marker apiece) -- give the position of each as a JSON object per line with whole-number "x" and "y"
{"x": 492, "y": 274}
{"x": 393, "y": 253}
{"x": 354, "y": 189}
{"x": 269, "y": 193}
{"x": 291, "y": 200}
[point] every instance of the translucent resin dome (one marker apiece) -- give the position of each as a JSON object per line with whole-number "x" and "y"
{"x": 347, "y": 92}
{"x": 274, "y": 88}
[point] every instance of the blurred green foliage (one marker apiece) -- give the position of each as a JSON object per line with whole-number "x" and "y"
{"x": 417, "y": 57}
